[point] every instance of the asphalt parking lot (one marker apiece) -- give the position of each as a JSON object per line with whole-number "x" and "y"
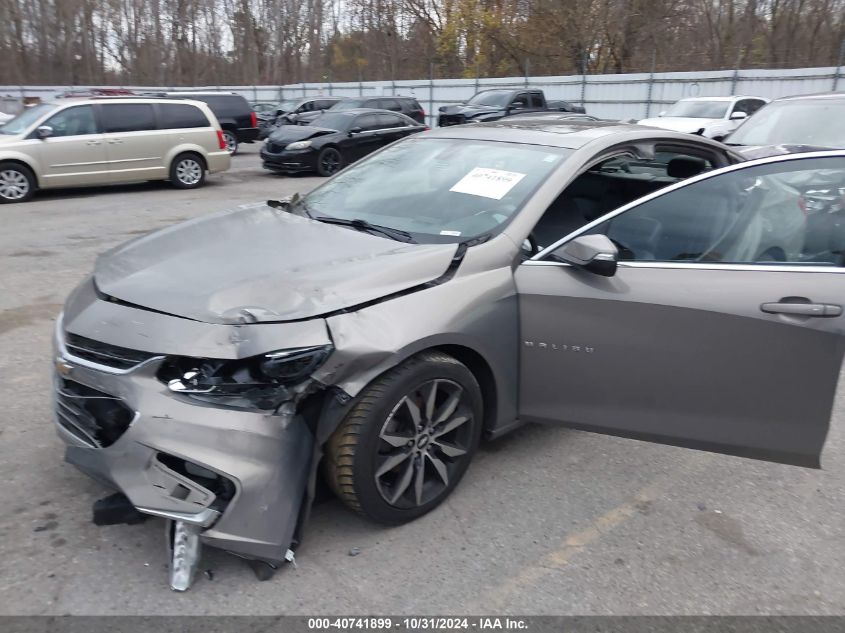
{"x": 547, "y": 520}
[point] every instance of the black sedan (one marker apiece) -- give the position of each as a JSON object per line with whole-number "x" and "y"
{"x": 334, "y": 140}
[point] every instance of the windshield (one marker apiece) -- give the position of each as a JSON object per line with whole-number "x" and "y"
{"x": 25, "y": 119}
{"x": 333, "y": 121}
{"x": 498, "y": 98}
{"x": 349, "y": 104}
{"x": 699, "y": 109}
{"x": 819, "y": 122}
{"x": 438, "y": 190}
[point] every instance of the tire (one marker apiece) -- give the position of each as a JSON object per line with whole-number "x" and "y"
{"x": 231, "y": 141}
{"x": 17, "y": 183}
{"x": 187, "y": 171}
{"x": 375, "y": 459}
{"x": 329, "y": 161}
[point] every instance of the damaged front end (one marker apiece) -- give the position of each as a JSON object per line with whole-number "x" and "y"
{"x": 217, "y": 446}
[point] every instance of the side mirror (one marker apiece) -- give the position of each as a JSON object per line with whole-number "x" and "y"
{"x": 593, "y": 253}
{"x": 355, "y": 130}
{"x": 44, "y": 131}
{"x": 661, "y": 113}
{"x": 738, "y": 116}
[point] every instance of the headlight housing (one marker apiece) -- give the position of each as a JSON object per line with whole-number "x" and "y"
{"x": 299, "y": 145}
{"x": 258, "y": 382}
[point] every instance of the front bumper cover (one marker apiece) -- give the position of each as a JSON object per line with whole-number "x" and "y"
{"x": 266, "y": 458}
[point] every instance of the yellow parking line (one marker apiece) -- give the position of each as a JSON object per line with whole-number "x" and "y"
{"x": 568, "y": 548}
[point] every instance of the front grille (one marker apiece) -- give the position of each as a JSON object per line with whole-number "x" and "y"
{"x": 92, "y": 416}
{"x": 103, "y": 353}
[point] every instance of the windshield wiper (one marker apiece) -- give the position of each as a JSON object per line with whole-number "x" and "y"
{"x": 363, "y": 225}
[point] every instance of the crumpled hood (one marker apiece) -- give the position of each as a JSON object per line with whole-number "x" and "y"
{"x": 291, "y": 133}
{"x": 679, "y": 123}
{"x": 262, "y": 264}
{"x": 750, "y": 152}
{"x": 470, "y": 111}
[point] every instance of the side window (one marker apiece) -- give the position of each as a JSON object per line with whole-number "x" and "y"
{"x": 308, "y": 106}
{"x": 754, "y": 105}
{"x": 324, "y": 104}
{"x": 391, "y": 104}
{"x": 177, "y": 115}
{"x": 73, "y": 122}
{"x": 536, "y": 101}
{"x": 367, "y": 122}
{"x": 791, "y": 212}
{"x": 386, "y": 121}
{"x": 611, "y": 184}
{"x": 127, "y": 117}
{"x": 520, "y": 101}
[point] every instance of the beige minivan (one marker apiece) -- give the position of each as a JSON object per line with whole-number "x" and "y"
{"x": 108, "y": 140}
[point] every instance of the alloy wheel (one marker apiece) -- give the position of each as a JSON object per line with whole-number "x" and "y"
{"x": 188, "y": 171}
{"x": 231, "y": 142}
{"x": 14, "y": 185}
{"x": 330, "y": 161}
{"x": 422, "y": 442}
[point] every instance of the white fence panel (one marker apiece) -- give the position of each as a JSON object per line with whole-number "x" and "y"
{"x": 629, "y": 96}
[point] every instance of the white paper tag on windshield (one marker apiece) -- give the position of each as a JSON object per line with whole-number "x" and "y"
{"x": 488, "y": 183}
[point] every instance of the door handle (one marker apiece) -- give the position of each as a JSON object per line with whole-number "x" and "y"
{"x": 115, "y": 141}
{"x": 803, "y": 309}
{"x": 93, "y": 142}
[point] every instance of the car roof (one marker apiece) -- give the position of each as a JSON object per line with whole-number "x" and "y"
{"x": 814, "y": 96}
{"x": 204, "y": 93}
{"x": 569, "y": 134}
{"x": 356, "y": 111}
{"x": 731, "y": 98}
{"x": 120, "y": 99}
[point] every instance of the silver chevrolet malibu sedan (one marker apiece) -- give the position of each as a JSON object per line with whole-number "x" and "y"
{"x": 612, "y": 278}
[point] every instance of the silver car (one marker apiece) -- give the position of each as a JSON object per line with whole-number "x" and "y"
{"x": 453, "y": 286}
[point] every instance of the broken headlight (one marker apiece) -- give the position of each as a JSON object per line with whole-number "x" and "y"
{"x": 258, "y": 382}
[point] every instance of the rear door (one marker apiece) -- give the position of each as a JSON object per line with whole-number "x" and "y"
{"x": 135, "y": 147}
{"x": 75, "y": 154}
{"x": 723, "y": 326}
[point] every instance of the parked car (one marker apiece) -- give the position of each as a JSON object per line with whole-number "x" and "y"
{"x": 236, "y": 117}
{"x": 5, "y": 118}
{"x": 713, "y": 117}
{"x": 408, "y": 106}
{"x": 102, "y": 141}
{"x": 334, "y": 140}
{"x": 494, "y": 104}
{"x": 793, "y": 124}
{"x": 287, "y": 112}
{"x": 453, "y": 285}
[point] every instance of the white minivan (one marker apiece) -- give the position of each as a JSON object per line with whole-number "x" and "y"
{"x": 108, "y": 140}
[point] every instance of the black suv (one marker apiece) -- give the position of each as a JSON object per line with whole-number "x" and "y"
{"x": 232, "y": 110}
{"x": 408, "y": 106}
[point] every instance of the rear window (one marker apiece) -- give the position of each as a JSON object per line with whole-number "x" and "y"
{"x": 179, "y": 115}
{"x": 127, "y": 117}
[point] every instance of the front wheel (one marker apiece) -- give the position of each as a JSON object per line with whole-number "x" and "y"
{"x": 329, "y": 161}
{"x": 187, "y": 171}
{"x": 407, "y": 442}
{"x": 17, "y": 183}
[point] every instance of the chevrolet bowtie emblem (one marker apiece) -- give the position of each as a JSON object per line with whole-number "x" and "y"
{"x": 63, "y": 367}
